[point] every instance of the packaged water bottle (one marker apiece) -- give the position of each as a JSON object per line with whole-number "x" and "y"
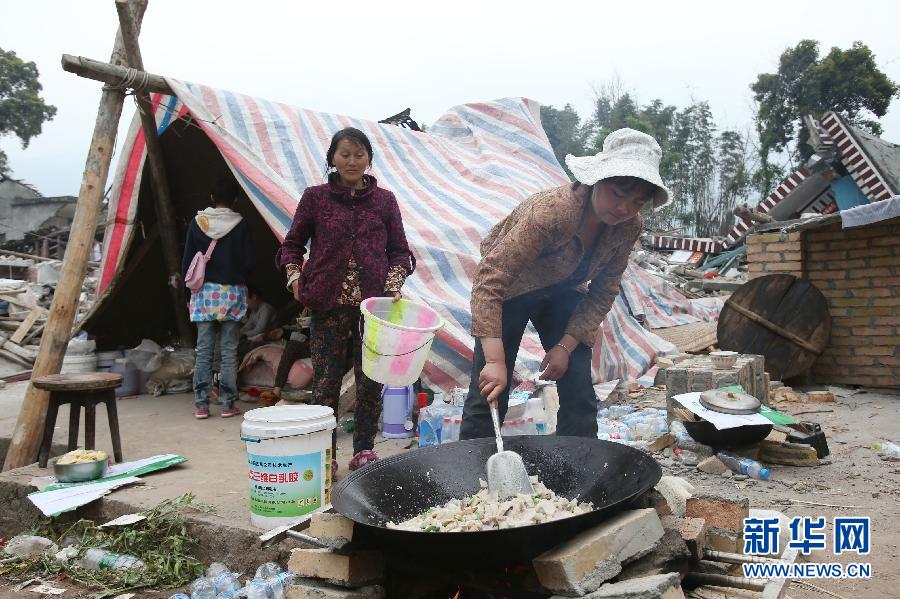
{"x": 743, "y": 465}
{"x": 530, "y": 427}
{"x": 687, "y": 457}
{"x": 101, "y": 559}
{"x": 179, "y": 596}
{"x": 257, "y": 589}
{"x": 29, "y": 546}
{"x": 447, "y": 430}
{"x": 229, "y": 594}
{"x": 457, "y": 427}
{"x": 227, "y": 581}
{"x": 215, "y": 569}
{"x": 267, "y": 570}
{"x": 278, "y": 583}
{"x": 684, "y": 440}
{"x": 203, "y": 588}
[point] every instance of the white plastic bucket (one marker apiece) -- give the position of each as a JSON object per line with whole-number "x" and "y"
{"x": 79, "y": 363}
{"x": 107, "y": 359}
{"x": 397, "y": 337}
{"x": 289, "y": 459}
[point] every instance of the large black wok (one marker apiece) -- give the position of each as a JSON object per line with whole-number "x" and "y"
{"x": 607, "y": 474}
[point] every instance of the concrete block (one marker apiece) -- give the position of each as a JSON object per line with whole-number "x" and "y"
{"x": 700, "y": 380}
{"x": 691, "y": 530}
{"x": 719, "y": 511}
{"x": 661, "y": 442}
{"x": 307, "y": 588}
{"x": 712, "y": 465}
{"x": 661, "y": 586}
{"x": 353, "y": 570}
{"x": 583, "y": 563}
{"x": 676, "y": 492}
{"x": 671, "y": 554}
{"x": 724, "y": 540}
{"x": 333, "y": 530}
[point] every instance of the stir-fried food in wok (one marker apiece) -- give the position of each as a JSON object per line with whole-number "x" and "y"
{"x": 486, "y": 511}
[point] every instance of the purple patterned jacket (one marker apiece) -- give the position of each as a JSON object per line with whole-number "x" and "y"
{"x": 367, "y": 225}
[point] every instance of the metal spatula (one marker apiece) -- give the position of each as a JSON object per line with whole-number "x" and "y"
{"x": 506, "y": 474}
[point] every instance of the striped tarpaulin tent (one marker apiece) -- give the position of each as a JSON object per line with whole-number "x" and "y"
{"x": 661, "y": 304}
{"x": 471, "y": 168}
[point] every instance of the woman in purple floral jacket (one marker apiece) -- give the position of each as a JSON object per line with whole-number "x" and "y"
{"x": 358, "y": 251}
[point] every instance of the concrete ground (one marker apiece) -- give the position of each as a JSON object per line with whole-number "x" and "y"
{"x": 215, "y": 471}
{"x": 853, "y": 481}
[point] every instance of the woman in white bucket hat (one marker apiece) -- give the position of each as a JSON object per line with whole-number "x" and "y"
{"x": 557, "y": 261}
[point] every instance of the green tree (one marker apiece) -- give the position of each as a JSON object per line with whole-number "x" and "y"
{"x": 734, "y": 178}
{"x": 846, "y": 81}
{"x": 22, "y": 110}
{"x": 565, "y": 132}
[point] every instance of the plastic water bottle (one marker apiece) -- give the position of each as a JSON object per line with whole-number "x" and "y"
{"x": 229, "y": 594}
{"x": 101, "y": 559}
{"x": 888, "y": 450}
{"x": 179, "y": 596}
{"x": 203, "y": 588}
{"x": 267, "y": 571}
{"x": 257, "y": 589}
{"x": 227, "y": 581}
{"x": 684, "y": 440}
{"x": 743, "y": 465}
{"x": 447, "y": 430}
{"x": 215, "y": 569}
{"x": 278, "y": 583}
{"x": 530, "y": 427}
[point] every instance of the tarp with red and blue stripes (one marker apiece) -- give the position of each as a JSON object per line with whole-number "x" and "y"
{"x": 453, "y": 183}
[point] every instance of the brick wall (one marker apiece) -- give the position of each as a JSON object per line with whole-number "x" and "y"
{"x": 858, "y": 271}
{"x": 774, "y": 253}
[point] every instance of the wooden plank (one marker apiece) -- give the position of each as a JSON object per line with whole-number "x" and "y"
{"x": 17, "y": 302}
{"x": 165, "y": 213}
{"x": 773, "y": 327}
{"x": 26, "y": 438}
{"x": 26, "y": 325}
{"x": 15, "y": 348}
{"x": 15, "y": 359}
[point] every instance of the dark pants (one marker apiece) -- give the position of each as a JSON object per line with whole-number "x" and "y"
{"x": 549, "y": 310}
{"x": 329, "y": 336}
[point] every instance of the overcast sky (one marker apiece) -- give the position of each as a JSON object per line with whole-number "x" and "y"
{"x": 372, "y": 59}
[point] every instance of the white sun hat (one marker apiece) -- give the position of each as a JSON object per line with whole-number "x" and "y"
{"x": 626, "y": 153}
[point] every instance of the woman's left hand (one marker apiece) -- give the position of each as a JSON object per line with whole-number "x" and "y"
{"x": 396, "y": 296}
{"x": 555, "y": 364}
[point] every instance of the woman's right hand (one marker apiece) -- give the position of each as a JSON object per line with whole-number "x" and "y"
{"x": 295, "y": 288}
{"x": 492, "y": 381}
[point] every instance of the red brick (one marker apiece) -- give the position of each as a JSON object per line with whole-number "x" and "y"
{"x": 888, "y": 282}
{"x": 870, "y": 272}
{"x": 870, "y": 292}
{"x": 852, "y": 321}
{"x": 823, "y": 257}
{"x": 887, "y": 321}
{"x": 764, "y": 238}
{"x": 883, "y": 241}
{"x": 692, "y": 530}
{"x": 851, "y": 341}
{"x": 818, "y": 246}
{"x": 893, "y": 301}
{"x": 767, "y": 257}
{"x": 827, "y": 275}
{"x": 875, "y": 371}
{"x": 889, "y": 361}
{"x": 781, "y": 247}
{"x": 874, "y": 351}
{"x": 719, "y": 512}
{"x": 838, "y": 311}
{"x": 849, "y": 245}
{"x": 857, "y": 361}
{"x": 889, "y": 261}
{"x": 886, "y": 381}
{"x": 830, "y": 293}
{"x": 851, "y": 284}
{"x": 870, "y": 311}
{"x": 872, "y": 252}
{"x": 849, "y": 301}
{"x": 826, "y": 235}
{"x": 892, "y": 341}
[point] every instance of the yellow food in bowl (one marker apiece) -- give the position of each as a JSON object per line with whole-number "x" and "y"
{"x": 82, "y": 456}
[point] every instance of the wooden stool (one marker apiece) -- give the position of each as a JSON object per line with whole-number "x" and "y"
{"x": 80, "y": 390}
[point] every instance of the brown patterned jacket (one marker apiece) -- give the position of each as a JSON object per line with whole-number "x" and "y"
{"x": 537, "y": 246}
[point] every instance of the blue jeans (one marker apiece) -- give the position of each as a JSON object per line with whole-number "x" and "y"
{"x": 203, "y": 364}
{"x": 549, "y": 310}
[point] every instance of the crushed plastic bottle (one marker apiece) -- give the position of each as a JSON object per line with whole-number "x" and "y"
{"x": 887, "y": 449}
{"x": 179, "y": 596}
{"x": 278, "y": 583}
{"x": 203, "y": 588}
{"x": 684, "y": 440}
{"x": 215, "y": 569}
{"x": 101, "y": 559}
{"x": 229, "y": 595}
{"x": 257, "y": 589}
{"x": 29, "y": 546}
{"x": 267, "y": 570}
{"x": 742, "y": 465}
{"x": 227, "y": 581}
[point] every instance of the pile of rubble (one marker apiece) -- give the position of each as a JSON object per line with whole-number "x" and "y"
{"x": 696, "y": 274}
{"x": 677, "y": 543}
{"x": 27, "y": 285}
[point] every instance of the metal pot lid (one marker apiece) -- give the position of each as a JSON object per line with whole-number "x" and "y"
{"x": 729, "y": 402}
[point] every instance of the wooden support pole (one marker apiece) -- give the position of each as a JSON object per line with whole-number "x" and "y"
{"x": 113, "y": 74}
{"x": 165, "y": 214}
{"x": 26, "y": 438}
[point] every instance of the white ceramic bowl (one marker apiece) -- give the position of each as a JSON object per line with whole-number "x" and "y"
{"x": 723, "y": 360}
